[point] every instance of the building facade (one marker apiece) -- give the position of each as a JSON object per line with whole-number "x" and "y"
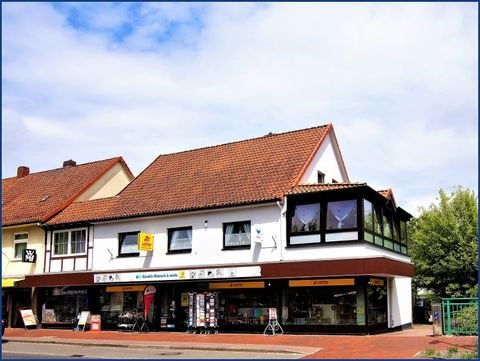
{"x": 270, "y": 222}
{"x": 31, "y": 199}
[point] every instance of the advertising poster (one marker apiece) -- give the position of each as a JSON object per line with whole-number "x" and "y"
{"x": 148, "y": 296}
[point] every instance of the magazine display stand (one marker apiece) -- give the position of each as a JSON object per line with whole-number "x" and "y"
{"x": 202, "y": 312}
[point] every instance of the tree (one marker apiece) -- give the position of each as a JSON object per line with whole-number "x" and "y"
{"x": 444, "y": 245}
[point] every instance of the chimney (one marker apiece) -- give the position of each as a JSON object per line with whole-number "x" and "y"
{"x": 69, "y": 163}
{"x": 22, "y": 171}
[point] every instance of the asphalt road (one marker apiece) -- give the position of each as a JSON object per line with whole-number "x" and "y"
{"x": 26, "y": 350}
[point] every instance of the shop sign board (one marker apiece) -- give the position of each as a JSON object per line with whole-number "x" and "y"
{"x": 145, "y": 242}
{"x": 29, "y": 255}
{"x": 322, "y": 282}
{"x": 28, "y": 318}
{"x": 376, "y": 282}
{"x": 178, "y": 275}
{"x": 236, "y": 285}
{"x": 125, "y": 288}
{"x": 83, "y": 320}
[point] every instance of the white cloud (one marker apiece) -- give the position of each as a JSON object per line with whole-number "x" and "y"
{"x": 397, "y": 80}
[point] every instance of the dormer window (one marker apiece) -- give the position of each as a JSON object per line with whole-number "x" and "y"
{"x": 321, "y": 177}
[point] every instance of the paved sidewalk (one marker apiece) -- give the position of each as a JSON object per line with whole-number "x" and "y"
{"x": 395, "y": 345}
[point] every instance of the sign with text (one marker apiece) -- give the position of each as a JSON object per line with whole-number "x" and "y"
{"x": 236, "y": 285}
{"x": 376, "y": 282}
{"x": 322, "y": 282}
{"x": 28, "y": 318}
{"x": 174, "y": 275}
{"x": 145, "y": 242}
{"x": 29, "y": 255}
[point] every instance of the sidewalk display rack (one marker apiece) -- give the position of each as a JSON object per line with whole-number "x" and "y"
{"x": 202, "y": 312}
{"x": 273, "y": 328}
{"x": 132, "y": 320}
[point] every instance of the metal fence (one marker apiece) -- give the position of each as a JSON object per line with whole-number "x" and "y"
{"x": 460, "y": 316}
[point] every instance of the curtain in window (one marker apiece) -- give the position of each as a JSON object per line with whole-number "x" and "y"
{"x": 344, "y": 212}
{"x": 129, "y": 244}
{"x": 307, "y": 213}
{"x": 60, "y": 243}
{"x": 181, "y": 239}
{"x": 237, "y": 234}
{"x": 78, "y": 241}
{"x": 19, "y": 247}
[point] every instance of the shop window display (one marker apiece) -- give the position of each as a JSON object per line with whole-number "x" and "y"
{"x": 63, "y": 306}
{"x": 377, "y": 303}
{"x": 323, "y": 306}
{"x": 246, "y": 307}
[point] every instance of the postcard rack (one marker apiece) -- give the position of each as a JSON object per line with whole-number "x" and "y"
{"x": 202, "y": 312}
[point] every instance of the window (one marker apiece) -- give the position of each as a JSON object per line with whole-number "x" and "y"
{"x": 387, "y": 227}
{"x": 236, "y": 235}
{"x": 128, "y": 244}
{"x": 20, "y": 241}
{"x": 368, "y": 220}
{"x": 305, "y": 224}
{"x": 320, "y": 177}
{"x": 70, "y": 242}
{"x": 342, "y": 215}
{"x": 180, "y": 239}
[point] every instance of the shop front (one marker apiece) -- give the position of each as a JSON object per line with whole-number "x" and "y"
{"x": 304, "y": 296}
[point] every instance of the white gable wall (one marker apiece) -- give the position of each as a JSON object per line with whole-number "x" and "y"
{"x": 327, "y": 161}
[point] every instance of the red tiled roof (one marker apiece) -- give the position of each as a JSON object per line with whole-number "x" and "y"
{"x": 245, "y": 172}
{"x": 321, "y": 187}
{"x": 38, "y": 196}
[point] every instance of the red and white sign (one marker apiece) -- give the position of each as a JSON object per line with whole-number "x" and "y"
{"x": 148, "y": 295}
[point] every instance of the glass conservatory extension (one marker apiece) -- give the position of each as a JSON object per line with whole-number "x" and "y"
{"x": 356, "y": 214}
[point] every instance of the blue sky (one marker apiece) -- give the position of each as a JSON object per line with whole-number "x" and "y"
{"x": 399, "y": 82}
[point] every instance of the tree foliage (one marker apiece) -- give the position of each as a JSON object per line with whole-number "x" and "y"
{"x": 444, "y": 245}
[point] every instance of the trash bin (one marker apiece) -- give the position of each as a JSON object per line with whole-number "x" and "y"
{"x": 437, "y": 319}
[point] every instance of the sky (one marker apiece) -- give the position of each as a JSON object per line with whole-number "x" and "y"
{"x": 398, "y": 81}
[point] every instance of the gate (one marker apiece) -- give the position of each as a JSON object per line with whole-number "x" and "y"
{"x": 460, "y": 316}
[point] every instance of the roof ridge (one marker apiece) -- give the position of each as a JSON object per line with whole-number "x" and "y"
{"x": 60, "y": 168}
{"x": 246, "y": 140}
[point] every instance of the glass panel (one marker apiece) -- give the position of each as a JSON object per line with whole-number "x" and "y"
{"x": 341, "y": 236}
{"x": 237, "y": 234}
{"x": 60, "y": 243}
{"x": 403, "y": 250}
{"x": 377, "y": 304}
{"x": 181, "y": 239}
{"x": 342, "y": 214}
{"x": 78, "y": 241}
{"x": 342, "y": 305}
{"x": 368, "y": 237}
{"x": 128, "y": 243}
{"x": 387, "y": 230}
{"x": 367, "y": 215}
{"x": 19, "y": 247}
{"x": 378, "y": 221}
{"x": 403, "y": 232}
{"x": 378, "y": 240}
{"x": 306, "y": 218}
{"x": 387, "y": 244}
{"x": 396, "y": 247}
{"x": 21, "y": 236}
{"x": 305, "y": 239}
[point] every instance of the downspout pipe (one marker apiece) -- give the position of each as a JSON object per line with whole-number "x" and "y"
{"x": 280, "y": 238}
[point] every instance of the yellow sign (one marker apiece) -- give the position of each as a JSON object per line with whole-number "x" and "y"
{"x": 236, "y": 285}
{"x": 376, "y": 282}
{"x": 10, "y": 282}
{"x": 145, "y": 242}
{"x": 322, "y": 282}
{"x": 125, "y": 288}
{"x": 184, "y": 299}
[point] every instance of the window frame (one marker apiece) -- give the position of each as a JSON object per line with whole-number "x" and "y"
{"x": 236, "y": 223}
{"x": 291, "y": 234}
{"x": 120, "y": 241}
{"x": 69, "y": 242}
{"x": 320, "y": 177}
{"x": 17, "y": 242}
{"x": 170, "y": 233}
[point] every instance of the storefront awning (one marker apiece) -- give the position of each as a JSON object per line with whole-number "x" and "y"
{"x": 9, "y": 282}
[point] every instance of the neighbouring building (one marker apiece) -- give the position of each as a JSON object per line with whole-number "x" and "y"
{"x": 269, "y": 222}
{"x": 31, "y": 199}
